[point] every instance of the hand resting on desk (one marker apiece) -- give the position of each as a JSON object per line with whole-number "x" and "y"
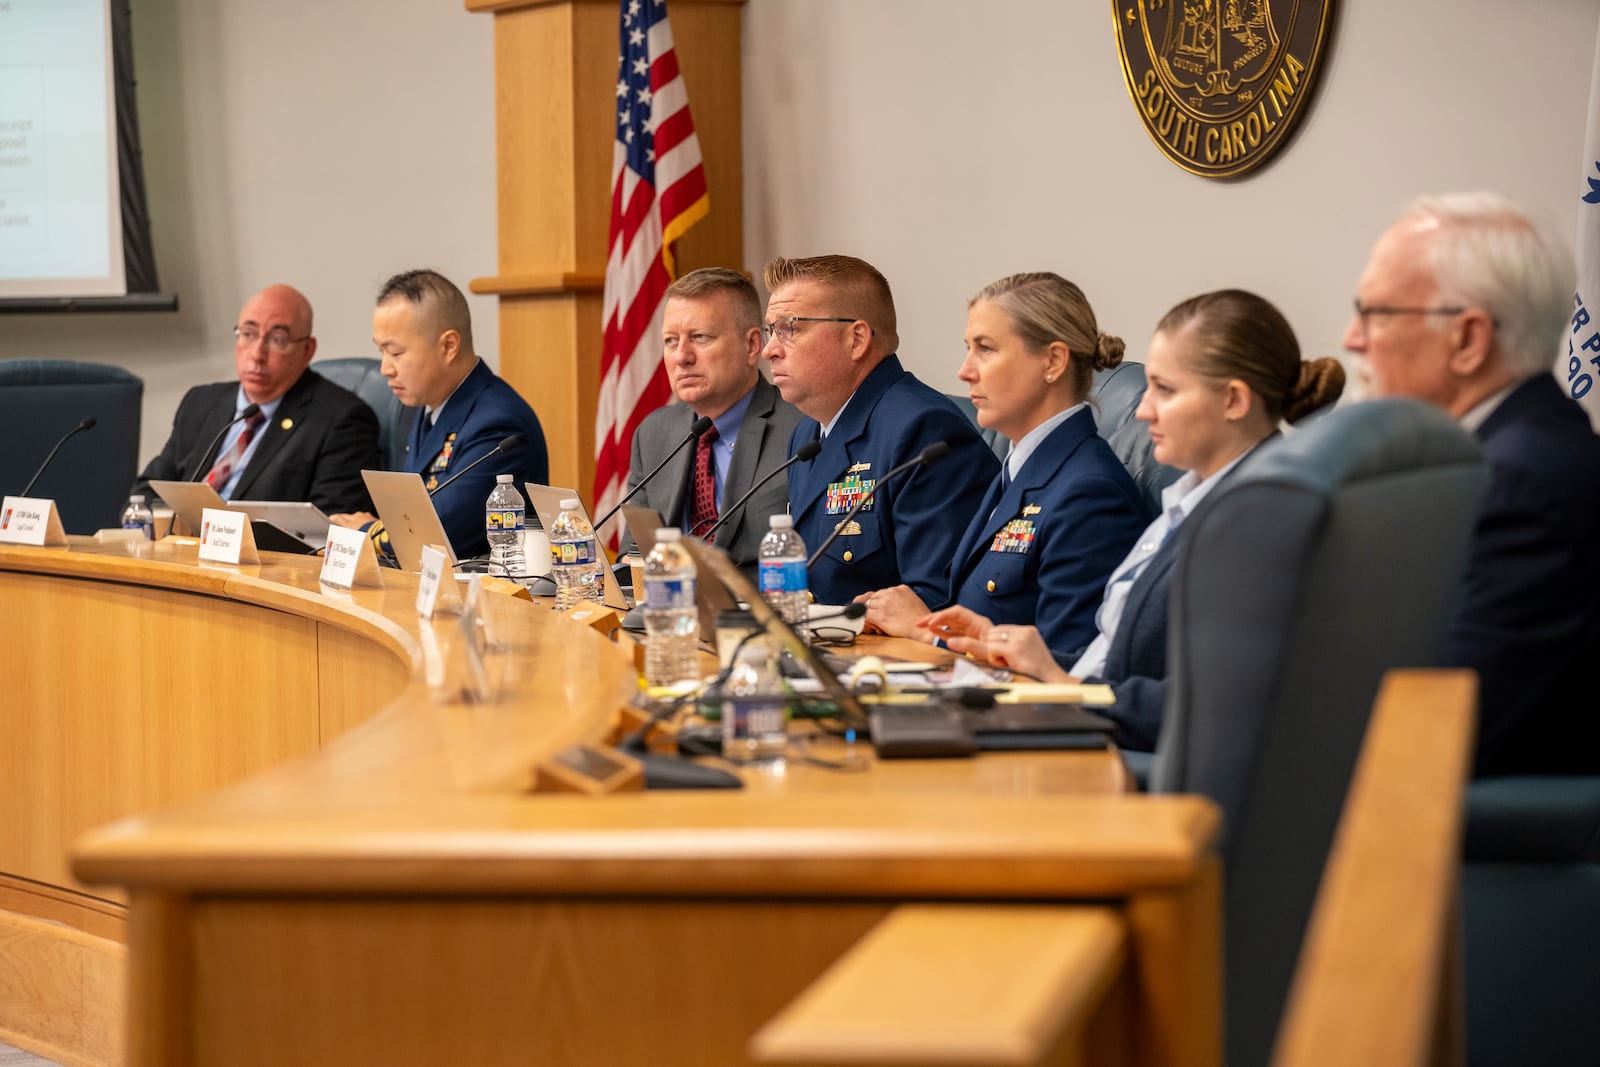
{"x": 1017, "y": 648}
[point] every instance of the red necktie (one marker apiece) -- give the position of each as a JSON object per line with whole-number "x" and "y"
{"x": 703, "y": 495}
{"x": 223, "y": 469}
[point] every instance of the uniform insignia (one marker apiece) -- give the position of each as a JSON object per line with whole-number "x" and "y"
{"x": 846, "y": 494}
{"x": 441, "y": 462}
{"x": 859, "y": 468}
{"x": 1014, "y": 536}
{"x": 1031, "y": 509}
{"x": 850, "y": 529}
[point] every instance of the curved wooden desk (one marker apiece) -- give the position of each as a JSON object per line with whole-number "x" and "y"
{"x": 399, "y": 896}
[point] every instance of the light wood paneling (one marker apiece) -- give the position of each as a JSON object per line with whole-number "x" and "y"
{"x": 1378, "y": 969}
{"x": 63, "y": 992}
{"x": 934, "y": 985}
{"x": 494, "y": 982}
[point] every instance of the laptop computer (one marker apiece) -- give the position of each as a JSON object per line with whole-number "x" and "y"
{"x": 187, "y": 500}
{"x": 710, "y": 597}
{"x": 546, "y": 503}
{"x": 304, "y": 520}
{"x": 408, "y": 516}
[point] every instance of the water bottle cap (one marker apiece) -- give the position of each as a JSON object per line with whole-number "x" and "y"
{"x": 571, "y": 503}
{"x": 781, "y": 521}
{"x": 669, "y": 533}
{"x": 505, "y": 479}
{"x": 137, "y": 498}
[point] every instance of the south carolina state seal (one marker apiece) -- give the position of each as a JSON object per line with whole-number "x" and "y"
{"x": 1221, "y": 84}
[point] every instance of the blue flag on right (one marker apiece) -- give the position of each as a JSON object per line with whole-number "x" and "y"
{"x": 1579, "y": 368}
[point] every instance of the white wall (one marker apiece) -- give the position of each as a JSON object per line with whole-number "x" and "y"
{"x": 953, "y": 143}
{"x": 323, "y": 144}
{"x": 328, "y": 144}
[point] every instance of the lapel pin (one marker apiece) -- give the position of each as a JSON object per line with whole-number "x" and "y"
{"x": 286, "y": 424}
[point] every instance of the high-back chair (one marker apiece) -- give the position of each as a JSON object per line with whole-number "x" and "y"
{"x": 1116, "y": 395}
{"x": 361, "y": 376}
{"x": 1331, "y": 557}
{"x": 40, "y": 401}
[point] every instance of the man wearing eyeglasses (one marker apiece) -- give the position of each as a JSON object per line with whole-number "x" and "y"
{"x": 711, "y": 344}
{"x": 1464, "y": 304}
{"x": 309, "y": 440}
{"x": 831, "y": 338}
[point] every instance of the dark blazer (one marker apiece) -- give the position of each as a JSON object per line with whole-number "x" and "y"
{"x": 1529, "y": 620}
{"x": 910, "y": 530}
{"x": 314, "y": 447}
{"x": 761, "y": 448}
{"x": 1136, "y": 661}
{"x": 479, "y": 414}
{"x": 1065, "y": 522}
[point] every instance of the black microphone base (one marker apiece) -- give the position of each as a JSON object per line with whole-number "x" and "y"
{"x": 673, "y": 772}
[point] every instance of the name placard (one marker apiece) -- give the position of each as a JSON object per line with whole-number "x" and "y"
{"x": 30, "y": 520}
{"x": 437, "y": 592}
{"x": 348, "y": 560}
{"x": 226, "y": 537}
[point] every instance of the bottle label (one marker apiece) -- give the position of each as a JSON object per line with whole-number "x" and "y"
{"x": 669, "y": 593}
{"x": 754, "y": 716}
{"x": 567, "y": 553}
{"x": 783, "y": 576}
{"x": 496, "y": 520}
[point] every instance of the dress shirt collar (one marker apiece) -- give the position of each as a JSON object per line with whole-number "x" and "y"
{"x": 1483, "y": 409}
{"x": 1023, "y": 450}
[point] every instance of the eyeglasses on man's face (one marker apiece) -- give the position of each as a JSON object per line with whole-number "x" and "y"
{"x": 784, "y": 329}
{"x": 1365, "y": 312}
{"x": 278, "y": 341}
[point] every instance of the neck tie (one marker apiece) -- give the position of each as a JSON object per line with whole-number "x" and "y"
{"x": 703, "y": 491}
{"x": 228, "y": 462}
{"x": 1005, "y": 483}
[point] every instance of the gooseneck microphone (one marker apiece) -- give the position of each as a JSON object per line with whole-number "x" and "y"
{"x": 507, "y": 443}
{"x": 86, "y": 424}
{"x": 205, "y": 457}
{"x": 701, "y": 425}
{"x": 807, "y": 452}
{"x": 932, "y": 454}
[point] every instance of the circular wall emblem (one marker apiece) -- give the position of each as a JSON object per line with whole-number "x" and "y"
{"x": 1220, "y": 84}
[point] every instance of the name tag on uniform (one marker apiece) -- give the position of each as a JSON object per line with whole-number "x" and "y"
{"x": 1014, "y": 536}
{"x": 29, "y": 520}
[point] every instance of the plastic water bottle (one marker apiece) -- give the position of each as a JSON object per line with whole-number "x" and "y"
{"x": 574, "y": 557}
{"x": 754, "y": 709}
{"x": 782, "y": 571}
{"x": 138, "y": 517}
{"x": 504, "y": 515}
{"x": 670, "y": 621}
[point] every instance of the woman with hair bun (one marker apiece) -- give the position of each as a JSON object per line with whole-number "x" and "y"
{"x": 1223, "y": 371}
{"x": 1063, "y": 509}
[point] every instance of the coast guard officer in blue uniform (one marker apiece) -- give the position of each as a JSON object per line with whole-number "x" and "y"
{"x": 423, "y": 331}
{"x": 830, "y": 340}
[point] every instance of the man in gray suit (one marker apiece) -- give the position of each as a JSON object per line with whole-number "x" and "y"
{"x": 711, "y": 344}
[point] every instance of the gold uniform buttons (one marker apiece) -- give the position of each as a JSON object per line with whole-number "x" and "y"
{"x": 991, "y": 585}
{"x": 848, "y": 556}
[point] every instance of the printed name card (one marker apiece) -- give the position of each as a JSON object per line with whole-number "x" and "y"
{"x": 437, "y": 592}
{"x": 226, "y": 537}
{"x": 348, "y": 560}
{"x": 28, "y": 520}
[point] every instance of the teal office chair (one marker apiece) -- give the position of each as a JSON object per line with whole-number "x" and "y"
{"x": 361, "y": 376}
{"x": 40, "y": 401}
{"x": 1330, "y": 557}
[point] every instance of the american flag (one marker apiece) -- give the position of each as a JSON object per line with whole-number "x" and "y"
{"x": 658, "y": 191}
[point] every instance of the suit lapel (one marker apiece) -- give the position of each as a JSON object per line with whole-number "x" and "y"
{"x": 1037, "y": 473}
{"x": 276, "y": 434}
{"x": 747, "y": 451}
{"x": 676, "y": 473}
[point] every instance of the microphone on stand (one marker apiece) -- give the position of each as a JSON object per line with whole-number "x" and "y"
{"x": 932, "y": 454}
{"x": 86, "y": 424}
{"x": 508, "y": 442}
{"x": 701, "y": 425}
{"x": 807, "y": 452}
{"x": 249, "y": 411}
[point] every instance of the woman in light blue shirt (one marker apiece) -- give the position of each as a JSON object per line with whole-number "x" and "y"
{"x": 1223, "y": 370}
